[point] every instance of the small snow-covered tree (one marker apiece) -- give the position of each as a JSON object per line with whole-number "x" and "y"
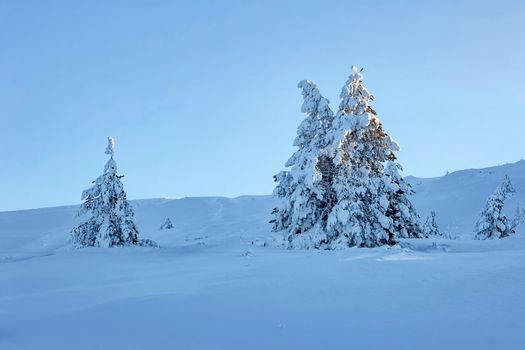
{"x": 492, "y": 222}
{"x": 166, "y": 224}
{"x": 111, "y": 217}
{"x": 360, "y": 149}
{"x": 283, "y": 191}
{"x": 519, "y": 217}
{"x": 405, "y": 221}
{"x": 431, "y": 229}
{"x": 303, "y": 190}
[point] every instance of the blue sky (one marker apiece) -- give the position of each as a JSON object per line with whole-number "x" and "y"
{"x": 201, "y": 95}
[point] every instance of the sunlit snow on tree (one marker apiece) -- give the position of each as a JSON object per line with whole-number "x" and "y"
{"x": 343, "y": 188}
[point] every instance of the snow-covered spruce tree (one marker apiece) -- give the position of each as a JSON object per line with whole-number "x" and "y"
{"x": 369, "y": 201}
{"x": 304, "y": 189}
{"x": 166, "y": 224}
{"x": 283, "y": 191}
{"x": 405, "y": 219}
{"x": 519, "y": 217}
{"x": 431, "y": 229}
{"x": 111, "y": 218}
{"x": 492, "y": 222}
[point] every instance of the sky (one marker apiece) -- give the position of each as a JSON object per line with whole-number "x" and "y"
{"x": 202, "y": 97}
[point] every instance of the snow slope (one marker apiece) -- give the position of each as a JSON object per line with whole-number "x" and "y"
{"x": 208, "y": 287}
{"x": 459, "y": 197}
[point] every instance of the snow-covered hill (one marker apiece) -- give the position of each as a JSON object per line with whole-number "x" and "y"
{"x": 208, "y": 287}
{"x": 459, "y": 196}
{"x": 214, "y": 220}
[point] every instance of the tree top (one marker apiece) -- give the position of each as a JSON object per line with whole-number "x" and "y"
{"x": 110, "y": 148}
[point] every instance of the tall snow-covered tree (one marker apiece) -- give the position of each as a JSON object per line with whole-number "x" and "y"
{"x": 110, "y": 218}
{"x": 492, "y": 222}
{"x": 337, "y": 192}
{"x": 431, "y": 229}
{"x": 405, "y": 221}
{"x": 303, "y": 190}
{"x": 361, "y": 148}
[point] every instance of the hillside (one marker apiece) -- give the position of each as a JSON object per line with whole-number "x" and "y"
{"x": 208, "y": 287}
{"x": 457, "y": 198}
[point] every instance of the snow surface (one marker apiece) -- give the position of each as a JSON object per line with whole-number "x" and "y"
{"x": 209, "y": 287}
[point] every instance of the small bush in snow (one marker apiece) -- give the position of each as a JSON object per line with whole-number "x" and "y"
{"x": 166, "y": 224}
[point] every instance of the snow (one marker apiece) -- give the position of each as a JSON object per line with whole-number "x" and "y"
{"x": 209, "y": 287}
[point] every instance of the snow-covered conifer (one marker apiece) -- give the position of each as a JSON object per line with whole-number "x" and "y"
{"x": 166, "y": 224}
{"x": 492, "y": 222}
{"x": 111, "y": 218}
{"x": 405, "y": 219}
{"x": 360, "y": 148}
{"x": 303, "y": 189}
{"x": 519, "y": 217}
{"x": 431, "y": 229}
{"x": 283, "y": 191}
{"x": 337, "y": 192}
